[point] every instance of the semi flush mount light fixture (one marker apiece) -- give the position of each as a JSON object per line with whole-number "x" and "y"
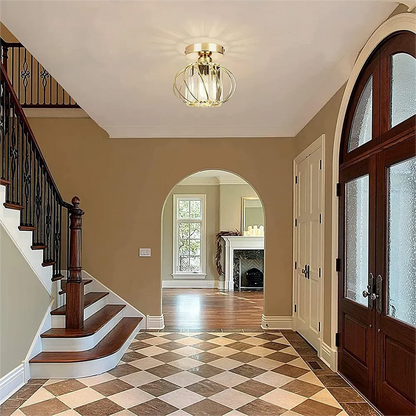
{"x": 204, "y": 83}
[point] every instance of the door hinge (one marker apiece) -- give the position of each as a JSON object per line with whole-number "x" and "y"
{"x": 296, "y": 265}
{"x": 338, "y": 189}
{"x": 320, "y": 165}
{"x": 296, "y": 222}
{"x": 320, "y": 218}
{"x": 296, "y": 179}
{"x": 319, "y": 327}
{"x": 338, "y": 265}
{"x": 295, "y": 308}
{"x": 337, "y": 339}
{"x": 320, "y": 272}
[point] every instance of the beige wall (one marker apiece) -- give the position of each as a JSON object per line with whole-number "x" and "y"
{"x": 123, "y": 184}
{"x": 212, "y": 209}
{"x": 24, "y": 302}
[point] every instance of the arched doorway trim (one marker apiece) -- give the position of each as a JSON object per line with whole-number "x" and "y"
{"x": 403, "y": 21}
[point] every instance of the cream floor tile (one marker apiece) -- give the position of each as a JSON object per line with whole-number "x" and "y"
{"x": 146, "y": 363}
{"x": 53, "y": 381}
{"x": 223, "y": 351}
{"x": 232, "y": 398}
{"x": 70, "y": 412}
{"x": 151, "y": 351}
{"x": 188, "y": 341}
{"x": 179, "y": 413}
{"x": 139, "y": 378}
{"x": 260, "y": 351}
{"x": 228, "y": 379}
{"x": 283, "y": 398}
{"x": 187, "y": 351}
{"x": 130, "y": 398}
{"x": 156, "y": 341}
{"x": 222, "y": 341}
{"x": 18, "y": 412}
{"x": 299, "y": 363}
{"x": 273, "y": 379}
{"x": 39, "y": 396}
{"x": 184, "y": 379}
{"x": 181, "y": 398}
{"x": 266, "y": 363}
{"x": 254, "y": 341}
{"x": 234, "y": 413}
{"x": 324, "y": 396}
{"x": 226, "y": 363}
{"x": 185, "y": 363}
{"x": 288, "y": 350}
{"x": 124, "y": 412}
{"x": 94, "y": 380}
{"x": 310, "y": 377}
{"x": 80, "y": 397}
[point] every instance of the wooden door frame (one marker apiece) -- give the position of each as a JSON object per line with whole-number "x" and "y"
{"x": 403, "y": 21}
{"x": 319, "y": 143}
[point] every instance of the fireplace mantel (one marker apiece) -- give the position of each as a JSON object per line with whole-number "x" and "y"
{"x": 237, "y": 243}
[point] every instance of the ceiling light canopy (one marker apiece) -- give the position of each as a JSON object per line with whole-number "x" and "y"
{"x": 204, "y": 83}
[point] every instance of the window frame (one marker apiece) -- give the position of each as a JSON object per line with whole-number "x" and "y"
{"x": 176, "y": 274}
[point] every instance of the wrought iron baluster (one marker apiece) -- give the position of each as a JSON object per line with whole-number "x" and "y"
{"x": 48, "y": 220}
{"x": 44, "y": 74}
{"x": 38, "y": 200}
{"x": 25, "y": 75}
{"x": 18, "y": 131}
{"x": 12, "y": 158}
{"x": 27, "y": 182}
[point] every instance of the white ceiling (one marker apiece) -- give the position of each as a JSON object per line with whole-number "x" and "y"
{"x": 118, "y": 59}
{"x": 213, "y": 177}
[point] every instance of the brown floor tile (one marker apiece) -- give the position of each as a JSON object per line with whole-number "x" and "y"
{"x": 244, "y": 357}
{"x": 261, "y": 408}
{"x": 171, "y": 345}
{"x": 308, "y": 351}
{"x": 332, "y": 380}
{"x": 240, "y": 346}
{"x": 144, "y": 335}
{"x": 174, "y": 336}
{"x": 37, "y": 381}
{"x": 45, "y": 408}
{"x": 159, "y": 387}
{"x": 206, "y": 388}
{"x": 164, "y": 370}
{"x": 206, "y": 370}
{"x": 359, "y": 409}
{"x": 139, "y": 345}
{"x": 270, "y": 336}
{"x": 205, "y": 336}
{"x": 254, "y": 388}
{"x": 207, "y": 408}
{"x": 302, "y": 388}
{"x": 236, "y": 337}
{"x": 155, "y": 407}
{"x": 274, "y": 346}
{"x": 123, "y": 370}
{"x": 112, "y": 387}
{"x": 313, "y": 408}
{"x": 103, "y": 407}
{"x": 346, "y": 395}
{"x": 167, "y": 357}
{"x": 63, "y": 387}
{"x": 25, "y": 392}
{"x": 10, "y": 405}
{"x": 132, "y": 356}
{"x": 206, "y": 346}
{"x": 290, "y": 370}
{"x": 282, "y": 357}
{"x": 205, "y": 357}
{"x": 248, "y": 370}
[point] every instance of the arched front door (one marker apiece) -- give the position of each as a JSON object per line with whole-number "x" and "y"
{"x": 377, "y": 244}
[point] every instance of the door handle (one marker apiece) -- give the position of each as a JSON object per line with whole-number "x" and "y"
{"x": 379, "y": 293}
{"x": 305, "y": 271}
{"x": 369, "y": 292}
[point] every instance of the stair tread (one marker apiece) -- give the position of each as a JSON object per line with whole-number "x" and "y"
{"x": 92, "y": 325}
{"x": 86, "y": 281}
{"x": 110, "y": 344}
{"x": 89, "y": 299}
{"x": 10, "y": 205}
{"x": 4, "y": 182}
{"x": 27, "y": 228}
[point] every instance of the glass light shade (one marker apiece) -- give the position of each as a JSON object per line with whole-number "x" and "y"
{"x": 204, "y": 84}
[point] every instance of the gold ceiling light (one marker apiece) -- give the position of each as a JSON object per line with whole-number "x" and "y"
{"x": 204, "y": 83}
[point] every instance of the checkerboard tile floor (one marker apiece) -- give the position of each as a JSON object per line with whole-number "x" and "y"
{"x": 200, "y": 374}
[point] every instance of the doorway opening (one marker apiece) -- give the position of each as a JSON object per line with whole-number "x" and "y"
{"x": 213, "y": 253}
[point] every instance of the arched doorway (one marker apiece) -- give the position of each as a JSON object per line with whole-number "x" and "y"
{"x": 377, "y": 236}
{"x": 213, "y": 275}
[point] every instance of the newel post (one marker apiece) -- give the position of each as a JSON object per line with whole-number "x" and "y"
{"x": 75, "y": 286}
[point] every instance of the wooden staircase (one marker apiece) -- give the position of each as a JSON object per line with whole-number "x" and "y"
{"x": 90, "y": 332}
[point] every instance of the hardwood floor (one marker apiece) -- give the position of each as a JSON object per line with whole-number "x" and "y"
{"x": 209, "y": 309}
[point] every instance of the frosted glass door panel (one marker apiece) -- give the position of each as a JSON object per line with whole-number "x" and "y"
{"x": 356, "y": 238}
{"x": 362, "y": 123}
{"x": 401, "y": 277}
{"x": 403, "y": 87}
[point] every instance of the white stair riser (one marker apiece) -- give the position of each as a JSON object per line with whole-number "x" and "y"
{"x": 58, "y": 321}
{"x": 82, "y": 343}
{"x": 81, "y": 369}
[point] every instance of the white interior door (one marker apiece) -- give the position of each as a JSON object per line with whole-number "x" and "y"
{"x": 308, "y": 244}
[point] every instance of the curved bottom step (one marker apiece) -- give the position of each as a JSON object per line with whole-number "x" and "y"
{"x": 103, "y": 357}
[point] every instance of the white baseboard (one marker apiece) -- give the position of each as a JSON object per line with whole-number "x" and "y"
{"x": 189, "y": 284}
{"x": 11, "y": 382}
{"x": 276, "y": 322}
{"x": 155, "y": 322}
{"x": 329, "y": 356}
